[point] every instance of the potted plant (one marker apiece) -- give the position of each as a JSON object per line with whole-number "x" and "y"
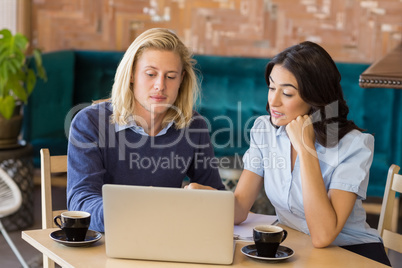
{"x": 17, "y": 80}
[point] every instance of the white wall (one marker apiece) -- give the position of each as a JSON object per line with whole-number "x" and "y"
{"x": 8, "y": 15}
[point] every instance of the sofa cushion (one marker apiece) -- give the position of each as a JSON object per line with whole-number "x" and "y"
{"x": 94, "y": 75}
{"x": 49, "y": 103}
{"x": 233, "y": 95}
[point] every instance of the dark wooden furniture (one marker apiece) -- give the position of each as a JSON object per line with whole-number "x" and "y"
{"x": 384, "y": 73}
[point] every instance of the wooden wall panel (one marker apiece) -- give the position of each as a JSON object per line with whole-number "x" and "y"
{"x": 351, "y": 30}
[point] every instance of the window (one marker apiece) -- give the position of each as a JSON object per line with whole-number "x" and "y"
{"x": 8, "y": 15}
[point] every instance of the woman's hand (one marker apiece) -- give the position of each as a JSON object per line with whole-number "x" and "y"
{"x": 301, "y": 134}
{"x": 326, "y": 213}
{"x": 195, "y": 185}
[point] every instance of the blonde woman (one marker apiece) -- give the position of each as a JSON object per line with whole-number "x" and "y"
{"x": 147, "y": 133}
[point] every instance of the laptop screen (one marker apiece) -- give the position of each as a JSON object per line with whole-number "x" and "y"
{"x": 168, "y": 224}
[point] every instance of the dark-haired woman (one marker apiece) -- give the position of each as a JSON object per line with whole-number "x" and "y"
{"x": 313, "y": 162}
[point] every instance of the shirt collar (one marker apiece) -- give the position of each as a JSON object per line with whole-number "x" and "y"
{"x": 279, "y": 131}
{"x": 138, "y": 129}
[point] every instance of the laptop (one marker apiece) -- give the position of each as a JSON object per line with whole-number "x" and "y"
{"x": 168, "y": 224}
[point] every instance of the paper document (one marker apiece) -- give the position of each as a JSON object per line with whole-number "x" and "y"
{"x": 244, "y": 231}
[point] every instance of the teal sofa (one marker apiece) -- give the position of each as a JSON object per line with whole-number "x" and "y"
{"x": 234, "y": 93}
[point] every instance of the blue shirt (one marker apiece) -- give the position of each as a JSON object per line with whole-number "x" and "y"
{"x": 344, "y": 167}
{"x": 100, "y": 152}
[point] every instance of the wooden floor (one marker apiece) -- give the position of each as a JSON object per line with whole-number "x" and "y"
{"x": 34, "y": 259}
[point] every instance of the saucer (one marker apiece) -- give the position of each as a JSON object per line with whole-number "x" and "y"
{"x": 91, "y": 237}
{"x": 282, "y": 253}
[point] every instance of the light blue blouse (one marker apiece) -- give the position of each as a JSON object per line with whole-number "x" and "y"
{"x": 344, "y": 167}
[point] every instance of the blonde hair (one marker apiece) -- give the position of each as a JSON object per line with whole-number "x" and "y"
{"x": 122, "y": 97}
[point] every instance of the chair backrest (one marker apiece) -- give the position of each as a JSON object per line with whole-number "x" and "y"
{"x": 392, "y": 240}
{"x": 10, "y": 195}
{"x": 49, "y": 165}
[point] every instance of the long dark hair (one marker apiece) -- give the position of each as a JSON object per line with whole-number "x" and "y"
{"x": 319, "y": 85}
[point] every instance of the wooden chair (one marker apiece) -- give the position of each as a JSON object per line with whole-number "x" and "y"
{"x": 50, "y": 165}
{"x": 386, "y": 224}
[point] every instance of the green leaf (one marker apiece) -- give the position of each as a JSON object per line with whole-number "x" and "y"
{"x": 38, "y": 62}
{"x": 17, "y": 79}
{"x": 6, "y": 34}
{"x": 37, "y": 57}
{"x": 3, "y": 52}
{"x": 14, "y": 83}
{"x": 21, "y": 42}
{"x": 2, "y": 88}
{"x": 12, "y": 65}
{"x": 30, "y": 81}
{"x": 3, "y": 71}
{"x": 7, "y": 105}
